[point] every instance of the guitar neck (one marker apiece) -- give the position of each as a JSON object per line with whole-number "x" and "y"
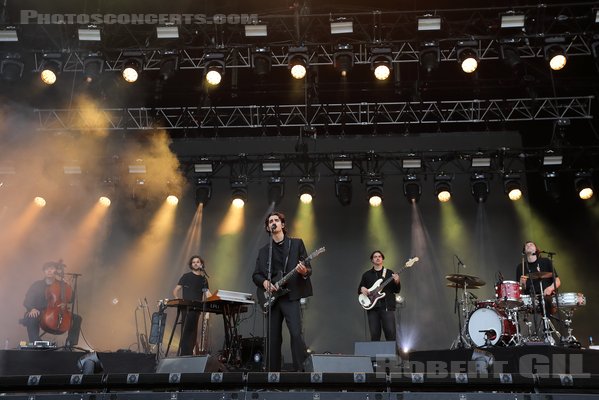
{"x": 386, "y": 281}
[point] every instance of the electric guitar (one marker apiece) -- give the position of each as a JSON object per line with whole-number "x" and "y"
{"x": 265, "y": 301}
{"x": 376, "y": 291}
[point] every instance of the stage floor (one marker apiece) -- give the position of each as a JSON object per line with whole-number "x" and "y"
{"x": 510, "y": 370}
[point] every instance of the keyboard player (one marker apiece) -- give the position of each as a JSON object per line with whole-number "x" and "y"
{"x": 193, "y": 286}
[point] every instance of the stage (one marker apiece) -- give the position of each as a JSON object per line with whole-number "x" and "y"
{"x": 526, "y": 372}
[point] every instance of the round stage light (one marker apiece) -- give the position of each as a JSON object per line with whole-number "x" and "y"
{"x": 298, "y": 71}
{"x": 48, "y": 77}
{"x": 172, "y": 200}
{"x": 213, "y": 76}
{"x": 104, "y": 201}
{"x": 130, "y": 74}
{"x": 382, "y": 71}
{"x": 40, "y": 201}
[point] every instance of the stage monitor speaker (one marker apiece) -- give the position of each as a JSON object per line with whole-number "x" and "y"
{"x": 189, "y": 364}
{"x": 338, "y": 363}
{"x": 375, "y": 349}
{"x": 252, "y": 353}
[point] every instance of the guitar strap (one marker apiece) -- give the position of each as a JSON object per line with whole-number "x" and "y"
{"x": 287, "y": 256}
{"x": 384, "y": 272}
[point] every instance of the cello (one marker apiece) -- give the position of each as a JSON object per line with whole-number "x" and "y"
{"x": 57, "y": 318}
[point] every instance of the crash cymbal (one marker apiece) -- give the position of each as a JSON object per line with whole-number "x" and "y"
{"x": 462, "y": 279}
{"x": 540, "y": 275}
{"x": 460, "y": 286}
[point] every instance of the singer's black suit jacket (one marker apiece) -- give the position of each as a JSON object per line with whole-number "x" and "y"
{"x": 298, "y": 285}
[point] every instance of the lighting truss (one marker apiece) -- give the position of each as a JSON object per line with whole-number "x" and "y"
{"x": 240, "y": 56}
{"x": 315, "y": 115}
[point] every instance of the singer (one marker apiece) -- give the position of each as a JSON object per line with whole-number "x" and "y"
{"x": 287, "y": 253}
{"x": 192, "y": 285}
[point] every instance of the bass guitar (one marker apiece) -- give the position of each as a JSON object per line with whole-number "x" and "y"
{"x": 375, "y": 293}
{"x": 265, "y": 301}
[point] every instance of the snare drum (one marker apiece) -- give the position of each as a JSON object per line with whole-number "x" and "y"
{"x": 508, "y": 294}
{"x": 491, "y": 322}
{"x": 570, "y": 300}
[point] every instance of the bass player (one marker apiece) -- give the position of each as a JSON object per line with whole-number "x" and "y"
{"x": 382, "y": 314}
{"x": 287, "y": 253}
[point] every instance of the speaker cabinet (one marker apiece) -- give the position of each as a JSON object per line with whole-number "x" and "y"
{"x": 375, "y": 349}
{"x": 338, "y": 363}
{"x": 189, "y": 364}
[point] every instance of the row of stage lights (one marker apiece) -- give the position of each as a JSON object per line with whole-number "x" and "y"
{"x": 412, "y": 189}
{"x": 429, "y": 27}
{"x": 298, "y": 63}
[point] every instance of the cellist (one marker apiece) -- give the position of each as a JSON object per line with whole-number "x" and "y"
{"x": 36, "y": 302}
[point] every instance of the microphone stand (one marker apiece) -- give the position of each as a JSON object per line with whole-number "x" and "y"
{"x": 556, "y": 294}
{"x": 268, "y": 296}
{"x": 534, "y": 296}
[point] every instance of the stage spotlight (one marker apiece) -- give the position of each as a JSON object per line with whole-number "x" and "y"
{"x": 172, "y": 200}
{"x": 139, "y": 193}
{"x": 343, "y": 59}
{"x": 468, "y": 56}
{"x": 131, "y": 70}
{"x": 555, "y": 54}
{"x": 551, "y": 179}
{"x": 11, "y": 67}
{"x": 479, "y": 183}
{"x": 93, "y": 65}
{"x": 298, "y": 62}
{"x": 381, "y": 63}
{"x": 203, "y": 191}
{"x": 214, "y": 68}
{"x": 443, "y": 188}
{"x": 374, "y": 191}
{"x": 276, "y": 189}
{"x": 239, "y": 193}
{"x": 39, "y": 201}
{"x": 343, "y": 189}
{"x": 261, "y": 61}
{"x": 512, "y": 186}
{"x": 509, "y": 55}
{"x": 50, "y": 68}
{"x": 168, "y": 64}
{"x": 430, "y": 56}
{"x": 306, "y": 189}
{"x": 104, "y": 201}
{"x": 584, "y": 185}
{"x": 411, "y": 188}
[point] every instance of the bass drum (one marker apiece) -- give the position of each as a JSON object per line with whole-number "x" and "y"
{"x": 491, "y": 322}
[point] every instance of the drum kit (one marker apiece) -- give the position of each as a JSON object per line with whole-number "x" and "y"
{"x": 496, "y": 322}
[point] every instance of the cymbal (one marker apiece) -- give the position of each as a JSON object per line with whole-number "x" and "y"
{"x": 462, "y": 279}
{"x": 540, "y": 275}
{"x": 460, "y": 286}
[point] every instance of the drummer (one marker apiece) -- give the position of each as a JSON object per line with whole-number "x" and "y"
{"x": 532, "y": 262}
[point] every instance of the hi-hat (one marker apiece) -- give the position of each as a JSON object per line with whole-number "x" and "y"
{"x": 468, "y": 280}
{"x": 540, "y": 275}
{"x": 460, "y": 286}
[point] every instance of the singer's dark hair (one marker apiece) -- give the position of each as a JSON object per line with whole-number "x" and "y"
{"x": 376, "y": 251}
{"x": 191, "y": 259}
{"x": 281, "y": 217}
{"x": 537, "y": 252}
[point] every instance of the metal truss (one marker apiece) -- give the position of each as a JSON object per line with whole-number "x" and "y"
{"x": 396, "y": 30}
{"x": 322, "y": 115}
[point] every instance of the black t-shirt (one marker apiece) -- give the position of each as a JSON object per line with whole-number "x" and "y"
{"x": 540, "y": 265}
{"x": 193, "y": 286}
{"x": 371, "y": 276}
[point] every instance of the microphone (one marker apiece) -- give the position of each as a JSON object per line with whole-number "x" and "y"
{"x": 273, "y": 227}
{"x": 460, "y": 261}
{"x": 549, "y": 253}
{"x": 204, "y": 269}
